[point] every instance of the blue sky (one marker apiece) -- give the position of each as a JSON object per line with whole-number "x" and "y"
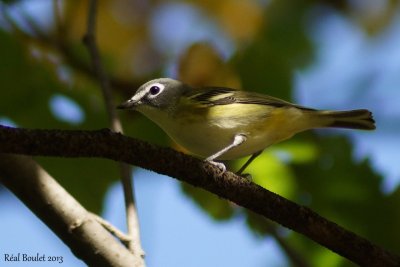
{"x": 354, "y": 70}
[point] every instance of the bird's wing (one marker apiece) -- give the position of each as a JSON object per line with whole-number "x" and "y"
{"x": 212, "y": 96}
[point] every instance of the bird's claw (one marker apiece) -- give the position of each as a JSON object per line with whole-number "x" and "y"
{"x": 219, "y": 165}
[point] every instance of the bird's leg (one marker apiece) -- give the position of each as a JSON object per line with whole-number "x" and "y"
{"x": 237, "y": 141}
{"x": 247, "y": 163}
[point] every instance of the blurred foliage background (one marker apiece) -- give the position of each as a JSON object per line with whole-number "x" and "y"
{"x": 338, "y": 54}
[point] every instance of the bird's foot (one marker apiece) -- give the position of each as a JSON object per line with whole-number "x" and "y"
{"x": 219, "y": 165}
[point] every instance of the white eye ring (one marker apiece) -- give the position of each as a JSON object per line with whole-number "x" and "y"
{"x": 155, "y": 89}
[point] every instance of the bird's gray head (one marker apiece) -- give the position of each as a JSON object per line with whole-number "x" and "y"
{"x": 161, "y": 94}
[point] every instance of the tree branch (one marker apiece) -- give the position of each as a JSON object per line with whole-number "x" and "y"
{"x": 87, "y": 239}
{"x": 114, "y": 146}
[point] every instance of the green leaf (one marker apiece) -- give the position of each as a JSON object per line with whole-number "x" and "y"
{"x": 267, "y": 64}
{"x": 348, "y": 193}
{"x": 270, "y": 172}
{"x": 27, "y": 86}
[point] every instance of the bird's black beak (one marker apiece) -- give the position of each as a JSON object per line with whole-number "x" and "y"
{"x": 130, "y": 104}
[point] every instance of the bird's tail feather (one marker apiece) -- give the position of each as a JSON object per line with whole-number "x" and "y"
{"x": 352, "y": 119}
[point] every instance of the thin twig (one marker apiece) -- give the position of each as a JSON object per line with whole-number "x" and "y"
{"x": 291, "y": 252}
{"x": 131, "y": 212}
{"x": 90, "y": 41}
{"x": 295, "y": 257}
{"x": 60, "y": 28}
{"x": 112, "y": 229}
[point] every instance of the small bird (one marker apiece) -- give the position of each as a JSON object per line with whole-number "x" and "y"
{"x": 225, "y": 124}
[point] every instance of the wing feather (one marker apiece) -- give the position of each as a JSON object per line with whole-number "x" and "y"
{"x": 212, "y": 96}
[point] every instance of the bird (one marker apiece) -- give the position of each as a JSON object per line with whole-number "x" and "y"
{"x": 220, "y": 123}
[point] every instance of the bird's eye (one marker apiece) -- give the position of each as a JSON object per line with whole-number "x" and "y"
{"x": 154, "y": 90}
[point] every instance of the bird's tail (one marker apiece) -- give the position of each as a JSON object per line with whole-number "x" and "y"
{"x": 352, "y": 119}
